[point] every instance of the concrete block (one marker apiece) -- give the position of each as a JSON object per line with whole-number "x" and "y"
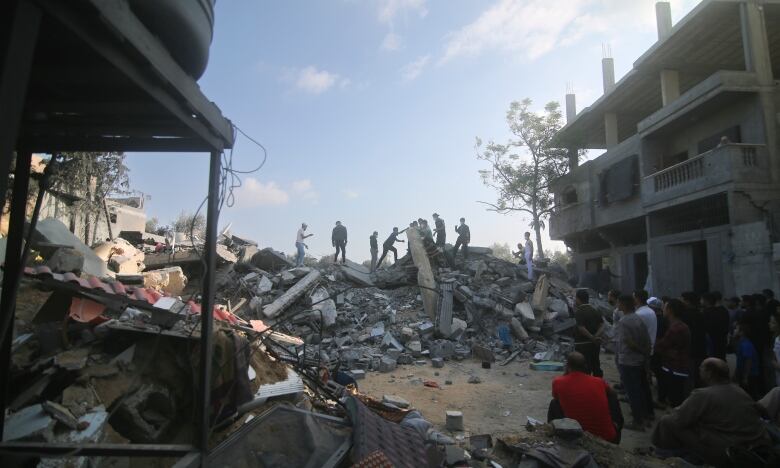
{"x": 442, "y": 349}
{"x": 437, "y": 362}
{"x": 393, "y": 353}
{"x": 357, "y": 374}
{"x": 387, "y": 364}
{"x": 458, "y": 328}
{"x": 415, "y": 347}
{"x": 454, "y": 420}
{"x": 420, "y": 362}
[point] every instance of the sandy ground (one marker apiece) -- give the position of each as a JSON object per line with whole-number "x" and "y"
{"x": 503, "y": 400}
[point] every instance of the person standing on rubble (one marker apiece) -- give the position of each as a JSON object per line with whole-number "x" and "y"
{"x": 388, "y": 245}
{"x": 374, "y": 249}
{"x": 589, "y": 330}
{"x": 425, "y": 230}
{"x": 339, "y": 240}
{"x": 464, "y": 239}
{"x": 299, "y": 244}
{"x": 528, "y": 253}
{"x": 441, "y": 234}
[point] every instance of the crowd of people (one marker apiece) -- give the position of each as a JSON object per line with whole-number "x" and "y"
{"x": 671, "y": 354}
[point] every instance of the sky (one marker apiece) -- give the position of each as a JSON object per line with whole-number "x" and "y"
{"x": 369, "y": 109}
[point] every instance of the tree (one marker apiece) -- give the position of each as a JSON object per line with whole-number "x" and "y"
{"x": 502, "y": 251}
{"x": 562, "y": 259}
{"x": 522, "y": 169}
{"x": 152, "y": 224}
{"x": 93, "y": 177}
{"x": 190, "y": 224}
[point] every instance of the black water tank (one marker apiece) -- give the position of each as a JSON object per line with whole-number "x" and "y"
{"x": 185, "y": 27}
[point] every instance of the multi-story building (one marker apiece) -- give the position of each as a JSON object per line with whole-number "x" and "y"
{"x": 686, "y": 195}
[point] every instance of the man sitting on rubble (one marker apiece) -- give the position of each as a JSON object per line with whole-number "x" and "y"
{"x": 590, "y": 327}
{"x": 588, "y": 400}
{"x": 711, "y": 420}
{"x": 388, "y": 246}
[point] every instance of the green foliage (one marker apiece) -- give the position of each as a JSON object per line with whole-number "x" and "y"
{"x": 92, "y": 177}
{"x": 562, "y": 259}
{"x": 521, "y": 170}
{"x": 190, "y": 224}
{"x": 152, "y": 224}
{"x": 503, "y": 251}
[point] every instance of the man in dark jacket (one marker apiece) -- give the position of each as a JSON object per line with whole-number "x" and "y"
{"x": 339, "y": 240}
{"x": 716, "y": 318}
{"x": 464, "y": 239}
{"x": 590, "y": 326}
{"x": 440, "y": 230}
{"x": 388, "y": 245}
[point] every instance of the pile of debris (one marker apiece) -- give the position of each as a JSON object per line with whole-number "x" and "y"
{"x": 360, "y": 321}
{"x": 108, "y": 352}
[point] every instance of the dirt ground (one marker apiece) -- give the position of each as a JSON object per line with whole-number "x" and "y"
{"x": 503, "y": 400}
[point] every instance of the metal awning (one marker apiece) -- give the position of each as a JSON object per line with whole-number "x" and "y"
{"x": 86, "y": 75}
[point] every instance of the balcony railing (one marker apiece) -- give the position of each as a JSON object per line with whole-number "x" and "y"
{"x": 738, "y": 163}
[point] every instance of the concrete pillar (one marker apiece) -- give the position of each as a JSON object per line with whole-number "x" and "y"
{"x": 758, "y": 60}
{"x": 670, "y": 86}
{"x": 608, "y": 73}
{"x": 754, "y": 41}
{"x": 571, "y": 107}
{"x": 611, "y": 129}
{"x": 663, "y": 19}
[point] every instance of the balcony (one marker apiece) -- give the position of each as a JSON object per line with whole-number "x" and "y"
{"x": 570, "y": 219}
{"x": 707, "y": 173}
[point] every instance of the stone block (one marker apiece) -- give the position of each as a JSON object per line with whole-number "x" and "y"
{"x": 387, "y": 364}
{"x": 442, "y": 349}
{"x": 454, "y": 420}
{"x": 437, "y": 362}
{"x": 405, "y": 359}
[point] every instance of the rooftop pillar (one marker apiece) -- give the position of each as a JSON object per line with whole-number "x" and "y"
{"x": 571, "y": 113}
{"x": 608, "y": 73}
{"x": 571, "y": 107}
{"x": 663, "y": 19}
{"x": 670, "y": 86}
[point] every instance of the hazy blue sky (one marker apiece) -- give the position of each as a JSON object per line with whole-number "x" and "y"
{"x": 370, "y": 109}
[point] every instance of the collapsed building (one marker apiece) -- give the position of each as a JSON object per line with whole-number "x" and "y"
{"x": 687, "y": 194}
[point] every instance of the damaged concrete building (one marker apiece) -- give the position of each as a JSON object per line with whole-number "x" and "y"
{"x": 686, "y": 195}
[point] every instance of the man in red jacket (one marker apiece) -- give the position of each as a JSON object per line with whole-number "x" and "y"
{"x": 586, "y": 399}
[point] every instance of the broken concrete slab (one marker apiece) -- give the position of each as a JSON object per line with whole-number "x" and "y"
{"x": 324, "y": 308}
{"x": 66, "y": 260}
{"x": 29, "y": 423}
{"x": 52, "y": 231}
{"x": 425, "y": 278}
{"x": 146, "y": 415}
{"x": 73, "y": 359}
{"x": 539, "y": 300}
{"x": 395, "y": 400}
{"x": 444, "y": 310}
{"x": 264, "y": 286}
{"x": 517, "y": 329}
{"x": 357, "y": 274}
{"x": 291, "y": 295}
{"x": 387, "y": 364}
{"x": 270, "y": 260}
{"x": 60, "y": 414}
{"x": 169, "y": 280}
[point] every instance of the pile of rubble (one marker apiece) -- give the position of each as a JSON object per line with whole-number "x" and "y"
{"x": 106, "y": 338}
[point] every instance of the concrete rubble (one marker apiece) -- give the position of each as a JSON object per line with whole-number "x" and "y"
{"x": 121, "y": 369}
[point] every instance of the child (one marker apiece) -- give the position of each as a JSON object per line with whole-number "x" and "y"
{"x": 748, "y": 373}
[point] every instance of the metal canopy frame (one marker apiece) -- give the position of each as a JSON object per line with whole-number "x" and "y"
{"x": 86, "y": 75}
